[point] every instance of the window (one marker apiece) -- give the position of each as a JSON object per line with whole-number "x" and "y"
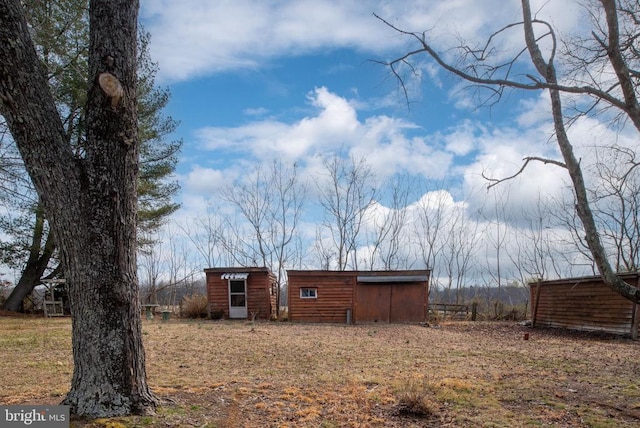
{"x": 237, "y": 287}
{"x": 308, "y": 293}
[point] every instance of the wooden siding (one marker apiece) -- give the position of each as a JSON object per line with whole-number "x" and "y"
{"x": 585, "y": 304}
{"x": 335, "y": 295}
{"x": 260, "y": 298}
{"x": 383, "y": 297}
{"x": 409, "y": 302}
{"x": 373, "y": 303}
{"x": 391, "y": 302}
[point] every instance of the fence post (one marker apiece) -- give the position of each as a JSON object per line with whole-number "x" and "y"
{"x": 474, "y": 311}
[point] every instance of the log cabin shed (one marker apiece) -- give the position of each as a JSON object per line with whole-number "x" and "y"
{"x": 242, "y": 292}
{"x": 585, "y": 304}
{"x": 358, "y": 296}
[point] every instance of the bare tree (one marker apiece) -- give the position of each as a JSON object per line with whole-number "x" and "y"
{"x": 323, "y": 251}
{"x": 615, "y": 193}
{"x": 496, "y": 236}
{"x": 205, "y": 234}
{"x": 89, "y": 198}
{"x": 459, "y": 251}
{"x": 345, "y": 198}
{"x": 151, "y": 266}
{"x": 252, "y": 198}
{"x": 290, "y": 195}
{"x": 580, "y": 258}
{"x": 533, "y": 251}
{"x": 387, "y": 226}
{"x": 271, "y": 203}
{"x": 616, "y": 196}
{"x": 179, "y": 269}
{"x": 430, "y": 229}
{"x": 600, "y": 72}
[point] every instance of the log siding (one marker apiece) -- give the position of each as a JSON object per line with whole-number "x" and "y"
{"x": 260, "y": 294}
{"x": 585, "y": 304}
{"x": 358, "y": 296}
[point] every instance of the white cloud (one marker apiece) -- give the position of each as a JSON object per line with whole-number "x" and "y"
{"x": 335, "y": 127}
{"x": 503, "y": 156}
{"x": 203, "y": 180}
{"x": 463, "y": 139}
{"x": 259, "y": 111}
{"x": 199, "y": 37}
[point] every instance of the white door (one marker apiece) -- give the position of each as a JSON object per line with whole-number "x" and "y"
{"x": 237, "y": 298}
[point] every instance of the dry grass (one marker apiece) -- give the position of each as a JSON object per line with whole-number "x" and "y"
{"x": 239, "y": 374}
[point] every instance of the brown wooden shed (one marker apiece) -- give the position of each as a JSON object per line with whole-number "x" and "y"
{"x": 585, "y": 304}
{"x": 358, "y": 296}
{"x": 242, "y": 292}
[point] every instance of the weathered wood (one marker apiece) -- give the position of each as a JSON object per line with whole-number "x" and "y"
{"x": 584, "y": 304}
{"x": 535, "y": 305}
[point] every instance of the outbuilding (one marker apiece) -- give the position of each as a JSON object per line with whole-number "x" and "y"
{"x": 358, "y": 296}
{"x": 586, "y": 304}
{"x": 241, "y": 292}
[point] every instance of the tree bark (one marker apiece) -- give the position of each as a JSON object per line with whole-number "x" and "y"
{"x": 89, "y": 200}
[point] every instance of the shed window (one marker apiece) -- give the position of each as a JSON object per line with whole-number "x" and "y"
{"x": 308, "y": 293}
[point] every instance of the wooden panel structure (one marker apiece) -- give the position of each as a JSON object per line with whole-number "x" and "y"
{"x": 585, "y": 304}
{"x": 368, "y": 296}
{"x": 335, "y": 294}
{"x": 373, "y": 303}
{"x": 261, "y": 287}
{"x": 408, "y": 302}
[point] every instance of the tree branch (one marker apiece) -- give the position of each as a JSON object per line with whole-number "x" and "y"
{"x": 537, "y": 84}
{"x": 496, "y": 181}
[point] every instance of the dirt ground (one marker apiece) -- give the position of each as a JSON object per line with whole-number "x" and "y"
{"x": 243, "y": 374}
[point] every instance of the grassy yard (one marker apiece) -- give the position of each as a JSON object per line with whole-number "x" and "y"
{"x": 240, "y": 374}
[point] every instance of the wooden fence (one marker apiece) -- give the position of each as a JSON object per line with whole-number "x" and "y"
{"x": 585, "y": 304}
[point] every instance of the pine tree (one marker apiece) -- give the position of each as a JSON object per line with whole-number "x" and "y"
{"x": 60, "y": 31}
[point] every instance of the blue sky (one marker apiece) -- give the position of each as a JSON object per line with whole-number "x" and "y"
{"x": 256, "y": 80}
{"x": 242, "y": 68}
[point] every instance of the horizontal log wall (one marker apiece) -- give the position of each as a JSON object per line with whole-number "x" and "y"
{"x": 218, "y": 294}
{"x": 585, "y": 304}
{"x": 370, "y": 300}
{"x": 335, "y": 296}
{"x": 258, "y": 296}
{"x": 260, "y": 300}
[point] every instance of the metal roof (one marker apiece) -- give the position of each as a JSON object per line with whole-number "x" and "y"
{"x": 392, "y": 278}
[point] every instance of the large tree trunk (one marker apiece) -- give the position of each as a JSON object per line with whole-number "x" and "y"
{"x": 90, "y": 201}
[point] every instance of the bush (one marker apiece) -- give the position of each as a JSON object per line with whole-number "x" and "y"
{"x": 195, "y": 306}
{"x": 416, "y": 397}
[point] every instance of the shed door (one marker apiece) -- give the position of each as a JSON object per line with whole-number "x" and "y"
{"x": 237, "y": 298}
{"x": 408, "y": 303}
{"x": 373, "y": 303}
